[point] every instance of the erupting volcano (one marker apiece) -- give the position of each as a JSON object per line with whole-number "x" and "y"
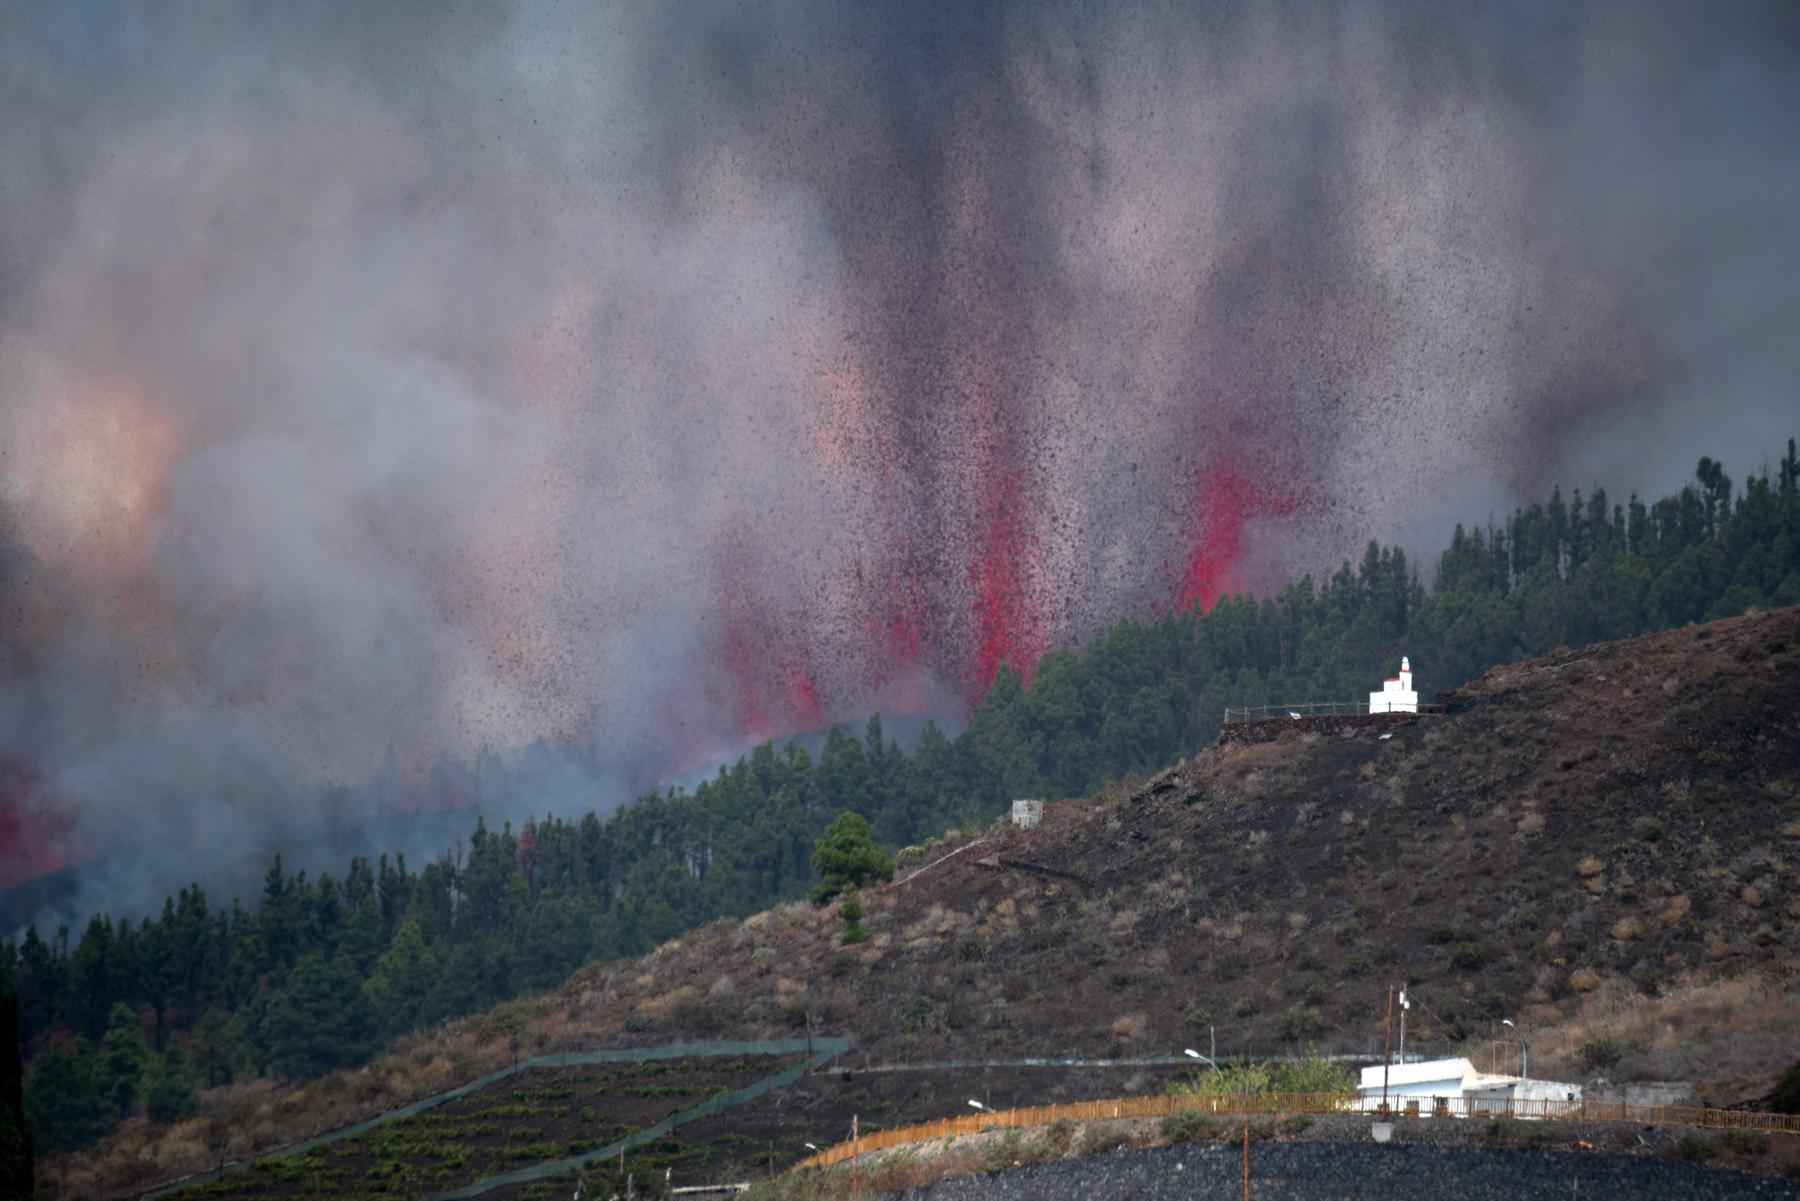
{"x": 668, "y": 378}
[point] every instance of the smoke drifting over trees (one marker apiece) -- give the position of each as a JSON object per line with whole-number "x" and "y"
{"x": 386, "y": 384}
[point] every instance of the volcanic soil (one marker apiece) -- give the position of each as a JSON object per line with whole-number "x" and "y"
{"x": 1615, "y": 824}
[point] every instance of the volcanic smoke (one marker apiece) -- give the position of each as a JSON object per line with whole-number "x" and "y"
{"x": 664, "y": 378}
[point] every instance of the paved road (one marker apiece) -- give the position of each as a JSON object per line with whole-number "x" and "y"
{"x": 1321, "y": 1171}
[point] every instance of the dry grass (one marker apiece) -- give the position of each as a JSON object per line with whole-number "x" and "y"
{"x": 1734, "y": 1036}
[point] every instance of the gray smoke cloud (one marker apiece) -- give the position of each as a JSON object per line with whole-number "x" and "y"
{"x": 382, "y": 384}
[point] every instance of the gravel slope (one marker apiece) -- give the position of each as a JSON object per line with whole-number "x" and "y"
{"x": 1318, "y": 1171}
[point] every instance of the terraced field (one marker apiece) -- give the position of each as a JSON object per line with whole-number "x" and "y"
{"x": 535, "y": 1117}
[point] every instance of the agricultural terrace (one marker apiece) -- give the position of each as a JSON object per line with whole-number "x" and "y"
{"x": 534, "y": 1117}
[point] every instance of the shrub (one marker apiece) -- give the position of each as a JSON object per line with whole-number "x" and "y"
{"x": 1297, "y": 1124}
{"x": 852, "y": 911}
{"x": 1301, "y": 1023}
{"x": 1786, "y": 1097}
{"x": 1746, "y": 1142}
{"x": 1314, "y": 1074}
{"x": 1468, "y": 957}
{"x": 1601, "y": 1054}
{"x": 1694, "y": 1148}
{"x": 1190, "y": 1127}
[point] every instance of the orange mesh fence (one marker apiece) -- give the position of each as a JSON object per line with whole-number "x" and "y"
{"x": 1401, "y": 1108}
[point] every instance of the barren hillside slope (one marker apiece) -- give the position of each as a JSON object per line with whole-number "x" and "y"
{"x": 1614, "y": 820}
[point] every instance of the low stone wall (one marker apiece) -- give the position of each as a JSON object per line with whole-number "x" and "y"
{"x": 1280, "y": 729}
{"x": 1647, "y": 1092}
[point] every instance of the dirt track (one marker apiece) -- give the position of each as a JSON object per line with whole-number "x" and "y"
{"x": 1319, "y": 1171}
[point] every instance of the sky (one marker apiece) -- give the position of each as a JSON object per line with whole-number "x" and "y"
{"x": 380, "y": 384}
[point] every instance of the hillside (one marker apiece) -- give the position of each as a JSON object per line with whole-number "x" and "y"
{"x": 1616, "y": 818}
{"x": 1596, "y": 844}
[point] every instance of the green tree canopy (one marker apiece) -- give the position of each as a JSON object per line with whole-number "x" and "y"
{"x": 125, "y": 1058}
{"x": 846, "y": 857}
{"x": 15, "y": 1132}
{"x": 322, "y": 1020}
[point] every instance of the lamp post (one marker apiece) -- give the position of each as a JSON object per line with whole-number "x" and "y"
{"x": 1206, "y": 1059}
{"x": 974, "y": 1104}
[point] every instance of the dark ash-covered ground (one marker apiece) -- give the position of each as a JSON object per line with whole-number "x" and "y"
{"x": 1321, "y": 1171}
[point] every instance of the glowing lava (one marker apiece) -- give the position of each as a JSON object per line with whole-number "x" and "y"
{"x": 1009, "y": 628}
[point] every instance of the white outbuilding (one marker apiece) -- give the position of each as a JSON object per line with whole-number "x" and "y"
{"x": 1416, "y": 1082}
{"x": 1396, "y": 695}
{"x": 1417, "y": 1087}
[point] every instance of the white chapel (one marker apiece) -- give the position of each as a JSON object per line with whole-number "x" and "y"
{"x": 1396, "y": 695}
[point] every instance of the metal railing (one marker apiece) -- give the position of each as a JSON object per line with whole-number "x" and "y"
{"x": 1237, "y": 713}
{"x": 1399, "y": 1108}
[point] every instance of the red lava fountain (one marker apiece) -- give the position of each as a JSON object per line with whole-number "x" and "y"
{"x": 1008, "y": 624}
{"x": 1223, "y": 502}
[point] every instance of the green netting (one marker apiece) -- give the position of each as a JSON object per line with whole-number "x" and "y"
{"x": 823, "y": 1051}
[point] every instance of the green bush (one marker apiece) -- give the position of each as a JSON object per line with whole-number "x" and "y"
{"x": 170, "y": 1097}
{"x": 1746, "y": 1142}
{"x": 1314, "y": 1074}
{"x": 1601, "y": 1054}
{"x": 852, "y": 912}
{"x": 1469, "y": 957}
{"x": 1190, "y": 1127}
{"x": 1694, "y": 1148}
{"x": 1786, "y": 1097}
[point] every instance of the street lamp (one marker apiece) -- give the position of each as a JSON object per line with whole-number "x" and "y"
{"x": 1193, "y": 1054}
{"x": 810, "y": 1147}
{"x": 974, "y": 1104}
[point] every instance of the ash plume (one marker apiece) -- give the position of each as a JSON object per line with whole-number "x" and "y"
{"x": 383, "y": 386}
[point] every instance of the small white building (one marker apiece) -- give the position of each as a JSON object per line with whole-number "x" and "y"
{"x": 1396, "y": 695}
{"x": 1027, "y": 814}
{"x": 1418, "y": 1082}
{"x": 1415, "y": 1087}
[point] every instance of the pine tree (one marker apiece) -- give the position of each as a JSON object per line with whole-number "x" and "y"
{"x": 68, "y": 1100}
{"x": 218, "y": 1047}
{"x": 170, "y": 1094}
{"x": 846, "y": 857}
{"x": 403, "y": 981}
{"x": 15, "y": 1131}
{"x": 321, "y": 1020}
{"x": 125, "y": 1057}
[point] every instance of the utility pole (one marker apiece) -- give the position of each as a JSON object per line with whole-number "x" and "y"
{"x": 1404, "y": 1006}
{"x": 1246, "y": 1157}
{"x": 1387, "y": 1051}
{"x": 855, "y": 1161}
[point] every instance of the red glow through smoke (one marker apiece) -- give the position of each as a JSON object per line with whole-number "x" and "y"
{"x": 1223, "y": 502}
{"x": 1008, "y": 625}
{"x": 28, "y": 840}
